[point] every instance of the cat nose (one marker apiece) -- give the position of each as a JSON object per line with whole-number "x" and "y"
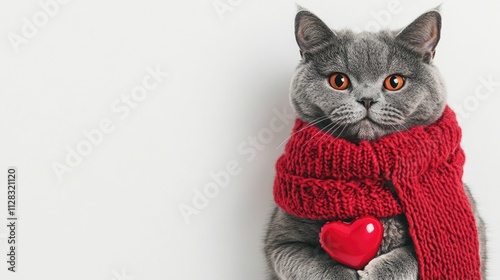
{"x": 367, "y": 102}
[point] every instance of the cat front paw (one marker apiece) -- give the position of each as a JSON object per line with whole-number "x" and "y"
{"x": 344, "y": 273}
{"x": 374, "y": 270}
{"x": 382, "y": 268}
{"x": 371, "y": 271}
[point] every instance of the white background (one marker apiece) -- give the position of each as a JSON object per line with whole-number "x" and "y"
{"x": 116, "y": 214}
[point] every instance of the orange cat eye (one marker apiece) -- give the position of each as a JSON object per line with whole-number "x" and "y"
{"x": 339, "y": 81}
{"x": 394, "y": 82}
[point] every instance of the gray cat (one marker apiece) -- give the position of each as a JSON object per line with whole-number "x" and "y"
{"x": 291, "y": 246}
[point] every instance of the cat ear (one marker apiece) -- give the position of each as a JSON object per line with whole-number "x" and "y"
{"x": 422, "y": 35}
{"x": 311, "y": 33}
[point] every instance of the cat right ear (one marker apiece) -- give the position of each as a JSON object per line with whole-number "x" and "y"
{"x": 422, "y": 35}
{"x": 311, "y": 33}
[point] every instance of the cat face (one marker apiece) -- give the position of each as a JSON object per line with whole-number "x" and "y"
{"x": 367, "y": 85}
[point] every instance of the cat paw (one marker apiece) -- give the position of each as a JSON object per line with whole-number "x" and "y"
{"x": 376, "y": 269}
{"x": 382, "y": 268}
{"x": 341, "y": 272}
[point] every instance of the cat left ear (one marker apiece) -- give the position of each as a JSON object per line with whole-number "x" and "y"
{"x": 311, "y": 33}
{"x": 422, "y": 35}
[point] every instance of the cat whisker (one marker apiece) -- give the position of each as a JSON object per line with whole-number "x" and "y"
{"x": 404, "y": 128}
{"x": 315, "y": 121}
{"x": 345, "y": 126}
{"x": 397, "y": 130}
{"x": 322, "y": 130}
{"x": 335, "y": 127}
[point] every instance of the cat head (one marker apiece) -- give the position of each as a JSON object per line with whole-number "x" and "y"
{"x": 362, "y": 86}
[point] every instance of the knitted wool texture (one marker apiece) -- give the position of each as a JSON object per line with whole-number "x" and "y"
{"x": 416, "y": 172}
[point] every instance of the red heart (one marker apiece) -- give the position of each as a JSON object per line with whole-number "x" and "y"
{"x": 352, "y": 244}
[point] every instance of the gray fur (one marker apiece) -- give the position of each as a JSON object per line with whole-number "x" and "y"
{"x": 367, "y": 59}
{"x": 291, "y": 246}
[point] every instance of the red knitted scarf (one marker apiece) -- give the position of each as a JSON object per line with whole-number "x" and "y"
{"x": 321, "y": 177}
